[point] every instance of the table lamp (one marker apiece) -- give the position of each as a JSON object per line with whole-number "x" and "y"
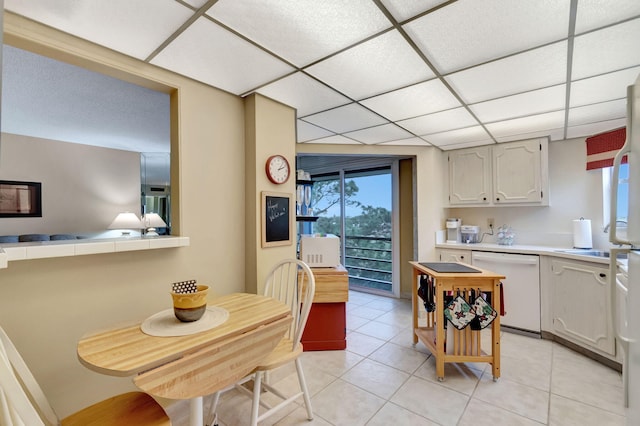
{"x": 126, "y": 221}
{"x": 152, "y": 221}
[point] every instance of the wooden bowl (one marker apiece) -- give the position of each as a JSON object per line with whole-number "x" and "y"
{"x": 189, "y": 307}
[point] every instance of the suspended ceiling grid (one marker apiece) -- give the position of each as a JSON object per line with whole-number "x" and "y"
{"x": 393, "y": 72}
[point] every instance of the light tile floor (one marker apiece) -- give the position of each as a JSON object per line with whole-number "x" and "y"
{"x": 381, "y": 379}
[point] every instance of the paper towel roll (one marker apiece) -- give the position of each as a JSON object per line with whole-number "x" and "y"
{"x": 582, "y": 233}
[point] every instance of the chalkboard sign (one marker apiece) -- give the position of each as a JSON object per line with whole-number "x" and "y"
{"x": 276, "y": 219}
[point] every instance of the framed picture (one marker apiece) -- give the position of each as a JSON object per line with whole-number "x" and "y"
{"x": 20, "y": 199}
{"x": 276, "y": 219}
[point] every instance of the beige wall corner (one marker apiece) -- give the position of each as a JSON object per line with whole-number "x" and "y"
{"x": 269, "y": 130}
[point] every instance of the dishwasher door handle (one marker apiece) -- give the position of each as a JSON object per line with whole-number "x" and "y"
{"x": 512, "y": 260}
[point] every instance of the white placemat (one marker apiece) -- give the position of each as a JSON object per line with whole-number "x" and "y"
{"x": 165, "y": 323}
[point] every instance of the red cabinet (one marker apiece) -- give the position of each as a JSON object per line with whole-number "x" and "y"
{"x": 326, "y": 326}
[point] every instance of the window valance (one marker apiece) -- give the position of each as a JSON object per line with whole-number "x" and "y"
{"x": 602, "y": 148}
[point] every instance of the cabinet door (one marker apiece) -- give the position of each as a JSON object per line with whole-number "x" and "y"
{"x": 470, "y": 176}
{"x": 581, "y": 304}
{"x": 450, "y": 255}
{"x": 517, "y": 172}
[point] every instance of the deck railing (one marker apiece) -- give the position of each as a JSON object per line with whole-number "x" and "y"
{"x": 368, "y": 260}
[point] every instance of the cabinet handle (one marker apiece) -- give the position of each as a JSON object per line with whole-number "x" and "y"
{"x": 484, "y": 198}
{"x": 461, "y": 257}
{"x": 603, "y": 275}
{"x": 497, "y": 199}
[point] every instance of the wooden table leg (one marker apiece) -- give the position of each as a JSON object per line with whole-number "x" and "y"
{"x": 414, "y": 304}
{"x": 196, "y": 413}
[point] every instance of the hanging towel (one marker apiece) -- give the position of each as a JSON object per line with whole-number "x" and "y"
{"x": 503, "y": 311}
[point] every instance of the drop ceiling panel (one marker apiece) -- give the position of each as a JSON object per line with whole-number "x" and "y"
{"x": 459, "y": 35}
{"x": 405, "y": 9}
{"x": 382, "y": 64}
{"x": 593, "y": 14}
{"x": 545, "y": 66}
{"x": 199, "y": 51}
{"x": 602, "y": 88}
{"x": 304, "y": 93}
{"x": 378, "y": 134}
{"x": 346, "y": 118}
{"x": 336, "y": 140}
{"x": 439, "y": 122}
{"x": 587, "y": 130}
{"x": 307, "y": 131}
{"x": 534, "y": 123}
{"x": 302, "y": 31}
{"x": 606, "y": 50}
{"x": 135, "y": 28}
{"x": 196, "y": 3}
{"x": 469, "y": 134}
{"x": 451, "y": 146}
{"x": 534, "y": 102}
{"x": 419, "y": 99}
{"x": 603, "y": 111}
{"x": 553, "y": 134}
{"x": 415, "y": 141}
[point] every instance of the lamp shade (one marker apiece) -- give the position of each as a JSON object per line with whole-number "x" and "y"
{"x": 152, "y": 221}
{"x": 126, "y": 220}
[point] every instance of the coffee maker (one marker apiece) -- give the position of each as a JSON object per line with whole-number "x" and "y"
{"x": 453, "y": 230}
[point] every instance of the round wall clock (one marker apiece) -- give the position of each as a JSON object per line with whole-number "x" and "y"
{"x": 277, "y": 169}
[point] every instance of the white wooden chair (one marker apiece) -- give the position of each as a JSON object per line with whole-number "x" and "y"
{"x": 22, "y": 402}
{"x": 292, "y": 282}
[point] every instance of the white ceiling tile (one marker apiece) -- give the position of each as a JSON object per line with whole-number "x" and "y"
{"x": 335, "y": 140}
{"x": 346, "y": 119}
{"x": 611, "y": 110}
{"x": 449, "y": 147}
{"x": 135, "y": 28}
{"x": 469, "y": 32}
{"x": 439, "y": 121}
{"x": 377, "y": 66}
{"x": 469, "y": 134}
{"x": 545, "y": 66}
{"x": 553, "y": 134}
{"x": 405, "y": 9}
{"x": 307, "y": 131}
{"x": 606, "y": 50}
{"x": 199, "y": 51}
{"x": 419, "y": 99}
{"x": 304, "y": 93}
{"x": 534, "y": 102}
{"x": 534, "y": 123}
{"x": 602, "y": 88}
{"x": 378, "y": 134}
{"x": 415, "y": 141}
{"x": 196, "y": 3}
{"x": 592, "y": 14}
{"x": 302, "y": 31}
{"x": 587, "y": 130}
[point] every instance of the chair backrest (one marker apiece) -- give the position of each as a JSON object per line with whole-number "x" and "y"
{"x": 22, "y": 401}
{"x": 292, "y": 282}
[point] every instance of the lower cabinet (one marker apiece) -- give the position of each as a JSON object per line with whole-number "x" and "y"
{"x": 580, "y": 293}
{"x": 454, "y": 255}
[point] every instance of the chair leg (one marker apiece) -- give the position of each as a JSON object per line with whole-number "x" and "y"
{"x": 305, "y": 390}
{"x": 213, "y": 416}
{"x": 257, "y": 380}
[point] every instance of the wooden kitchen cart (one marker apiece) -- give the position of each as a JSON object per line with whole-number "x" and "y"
{"x": 466, "y": 345}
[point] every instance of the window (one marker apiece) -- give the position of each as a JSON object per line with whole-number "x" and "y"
{"x": 622, "y": 194}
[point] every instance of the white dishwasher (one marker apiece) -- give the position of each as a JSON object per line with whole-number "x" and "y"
{"x": 521, "y": 287}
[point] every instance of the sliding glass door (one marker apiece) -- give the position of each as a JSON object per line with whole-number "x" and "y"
{"x": 357, "y": 205}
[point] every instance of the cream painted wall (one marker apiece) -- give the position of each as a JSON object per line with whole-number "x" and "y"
{"x": 46, "y": 305}
{"x": 270, "y": 131}
{"x": 83, "y": 187}
{"x": 575, "y": 192}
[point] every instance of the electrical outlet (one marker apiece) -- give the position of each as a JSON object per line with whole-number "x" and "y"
{"x": 490, "y": 222}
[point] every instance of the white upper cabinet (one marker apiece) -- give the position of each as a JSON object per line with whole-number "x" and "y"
{"x": 513, "y": 173}
{"x": 470, "y": 176}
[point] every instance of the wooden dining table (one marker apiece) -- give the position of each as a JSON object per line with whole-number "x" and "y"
{"x": 191, "y": 366}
